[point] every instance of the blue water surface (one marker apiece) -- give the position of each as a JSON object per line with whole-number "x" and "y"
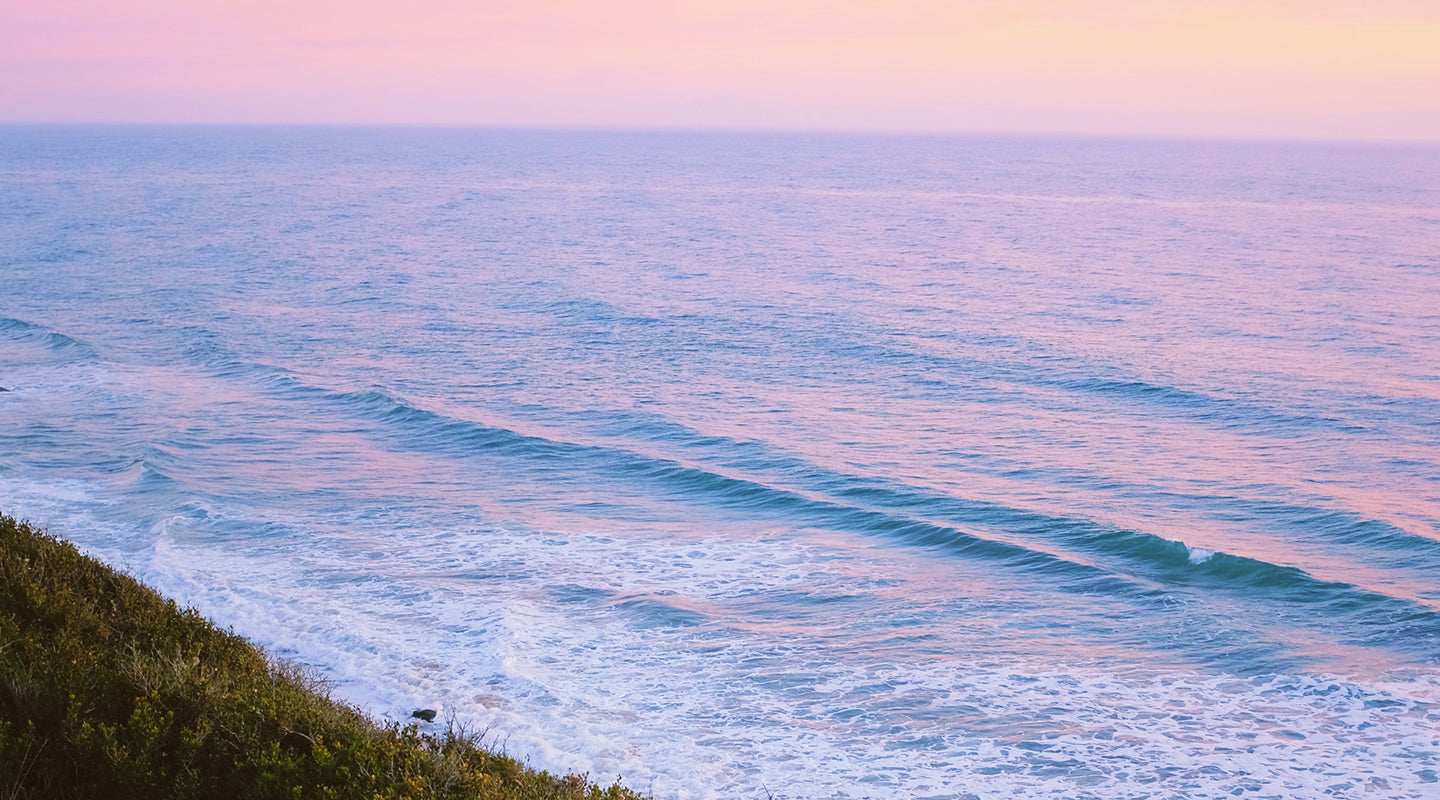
{"x": 814, "y": 466}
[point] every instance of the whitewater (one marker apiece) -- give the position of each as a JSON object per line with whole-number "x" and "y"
{"x": 751, "y": 465}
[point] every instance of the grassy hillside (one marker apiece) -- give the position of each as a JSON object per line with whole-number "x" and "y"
{"x": 108, "y": 690}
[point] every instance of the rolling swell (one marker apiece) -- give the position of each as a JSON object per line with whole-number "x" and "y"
{"x": 61, "y": 346}
{"x": 1381, "y": 542}
{"x": 1072, "y": 554}
{"x": 1143, "y": 568}
{"x": 1372, "y": 540}
{"x": 431, "y": 432}
{"x": 1139, "y": 567}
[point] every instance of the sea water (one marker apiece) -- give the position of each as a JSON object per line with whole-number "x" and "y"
{"x": 756, "y": 466}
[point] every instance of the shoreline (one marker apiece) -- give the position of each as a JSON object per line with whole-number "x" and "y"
{"x": 107, "y": 688}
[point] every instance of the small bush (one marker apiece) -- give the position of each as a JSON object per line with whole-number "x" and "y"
{"x": 108, "y": 690}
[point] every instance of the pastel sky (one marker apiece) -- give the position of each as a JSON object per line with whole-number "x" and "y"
{"x": 1287, "y": 68}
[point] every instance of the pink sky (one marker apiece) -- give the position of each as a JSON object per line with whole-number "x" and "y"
{"x": 1218, "y": 68}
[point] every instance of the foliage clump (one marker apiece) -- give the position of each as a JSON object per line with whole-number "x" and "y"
{"x": 108, "y": 690}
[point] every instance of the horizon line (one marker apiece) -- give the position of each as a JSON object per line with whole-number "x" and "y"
{"x": 750, "y": 130}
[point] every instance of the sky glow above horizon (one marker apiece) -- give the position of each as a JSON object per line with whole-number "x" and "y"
{"x": 1270, "y": 68}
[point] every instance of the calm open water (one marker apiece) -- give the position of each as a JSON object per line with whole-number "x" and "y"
{"x": 818, "y": 465}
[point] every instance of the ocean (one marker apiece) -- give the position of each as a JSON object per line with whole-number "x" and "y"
{"x": 766, "y": 466}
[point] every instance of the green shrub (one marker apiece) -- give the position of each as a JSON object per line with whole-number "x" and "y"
{"x": 108, "y": 690}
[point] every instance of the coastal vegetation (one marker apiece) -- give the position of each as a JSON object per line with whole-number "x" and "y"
{"x": 108, "y": 690}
